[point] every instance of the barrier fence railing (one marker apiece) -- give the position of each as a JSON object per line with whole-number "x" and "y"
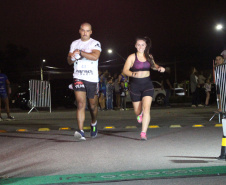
{"x": 40, "y": 95}
{"x": 220, "y": 80}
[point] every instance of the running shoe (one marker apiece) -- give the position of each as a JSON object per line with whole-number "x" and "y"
{"x": 143, "y": 136}
{"x": 140, "y": 118}
{"x": 79, "y": 136}
{"x": 1, "y": 119}
{"x": 93, "y": 131}
{"x": 10, "y": 118}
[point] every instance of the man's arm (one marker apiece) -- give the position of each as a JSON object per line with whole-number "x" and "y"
{"x": 94, "y": 55}
{"x": 69, "y": 59}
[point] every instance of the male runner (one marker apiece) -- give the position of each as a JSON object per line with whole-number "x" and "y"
{"x": 84, "y": 54}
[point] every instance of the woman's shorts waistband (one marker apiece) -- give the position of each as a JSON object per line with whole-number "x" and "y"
{"x": 140, "y": 80}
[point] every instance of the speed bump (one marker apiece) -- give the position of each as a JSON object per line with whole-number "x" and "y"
{"x": 109, "y": 127}
{"x": 65, "y": 128}
{"x": 87, "y": 128}
{"x": 153, "y": 126}
{"x": 197, "y": 126}
{"x": 175, "y": 126}
{"x": 43, "y": 129}
{"x": 21, "y": 130}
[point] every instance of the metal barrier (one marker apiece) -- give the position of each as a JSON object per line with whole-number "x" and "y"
{"x": 220, "y": 80}
{"x": 40, "y": 94}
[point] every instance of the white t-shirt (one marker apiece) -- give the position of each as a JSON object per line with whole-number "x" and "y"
{"x": 85, "y": 69}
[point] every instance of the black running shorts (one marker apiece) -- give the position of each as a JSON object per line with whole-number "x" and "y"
{"x": 91, "y": 88}
{"x": 140, "y": 87}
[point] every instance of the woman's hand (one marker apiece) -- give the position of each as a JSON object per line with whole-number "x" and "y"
{"x": 161, "y": 69}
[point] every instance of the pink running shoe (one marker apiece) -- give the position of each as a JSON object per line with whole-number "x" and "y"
{"x": 140, "y": 117}
{"x": 143, "y": 136}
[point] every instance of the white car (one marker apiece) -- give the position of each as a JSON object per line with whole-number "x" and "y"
{"x": 159, "y": 94}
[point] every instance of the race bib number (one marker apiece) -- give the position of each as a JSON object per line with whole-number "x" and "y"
{"x": 85, "y": 67}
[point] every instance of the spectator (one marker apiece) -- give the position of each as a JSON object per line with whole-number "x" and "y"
{"x": 195, "y": 88}
{"x": 166, "y": 85}
{"x": 102, "y": 92}
{"x": 201, "y": 82}
{"x": 109, "y": 93}
{"x": 5, "y": 90}
{"x": 116, "y": 91}
{"x": 207, "y": 87}
{"x": 123, "y": 81}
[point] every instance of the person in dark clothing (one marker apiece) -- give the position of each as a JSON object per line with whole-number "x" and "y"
{"x": 167, "y": 86}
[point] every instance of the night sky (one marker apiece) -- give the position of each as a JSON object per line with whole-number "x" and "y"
{"x": 180, "y": 30}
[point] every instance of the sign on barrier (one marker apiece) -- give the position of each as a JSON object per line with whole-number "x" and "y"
{"x": 40, "y": 94}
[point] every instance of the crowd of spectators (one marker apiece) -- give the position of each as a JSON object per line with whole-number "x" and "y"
{"x": 113, "y": 90}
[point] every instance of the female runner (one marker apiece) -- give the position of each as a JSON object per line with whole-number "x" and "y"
{"x": 137, "y": 67}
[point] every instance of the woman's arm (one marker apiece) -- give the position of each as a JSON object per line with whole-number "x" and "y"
{"x": 128, "y": 64}
{"x": 157, "y": 67}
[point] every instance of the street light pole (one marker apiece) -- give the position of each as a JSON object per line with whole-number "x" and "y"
{"x": 43, "y": 61}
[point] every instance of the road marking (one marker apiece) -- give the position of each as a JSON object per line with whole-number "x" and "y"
{"x": 87, "y": 128}
{"x": 113, "y": 127}
{"x": 118, "y": 176}
{"x": 153, "y": 126}
{"x": 109, "y": 127}
{"x": 43, "y": 129}
{"x": 128, "y": 127}
{"x": 197, "y": 126}
{"x": 21, "y": 130}
{"x": 65, "y": 128}
{"x": 175, "y": 126}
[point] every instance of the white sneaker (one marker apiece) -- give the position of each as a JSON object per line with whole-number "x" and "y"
{"x": 200, "y": 105}
{"x": 1, "y": 119}
{"x": 79, "y": 136}
{"x": 193, "y": 106}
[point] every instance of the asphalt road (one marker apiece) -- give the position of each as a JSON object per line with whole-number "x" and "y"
{"x": 182, "y": 146}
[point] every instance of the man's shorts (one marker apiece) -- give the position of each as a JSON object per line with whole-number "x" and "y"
{"x": 91, "y": 88}
{"x": 3, "y": 95}
{"x": 141, "y": 87}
